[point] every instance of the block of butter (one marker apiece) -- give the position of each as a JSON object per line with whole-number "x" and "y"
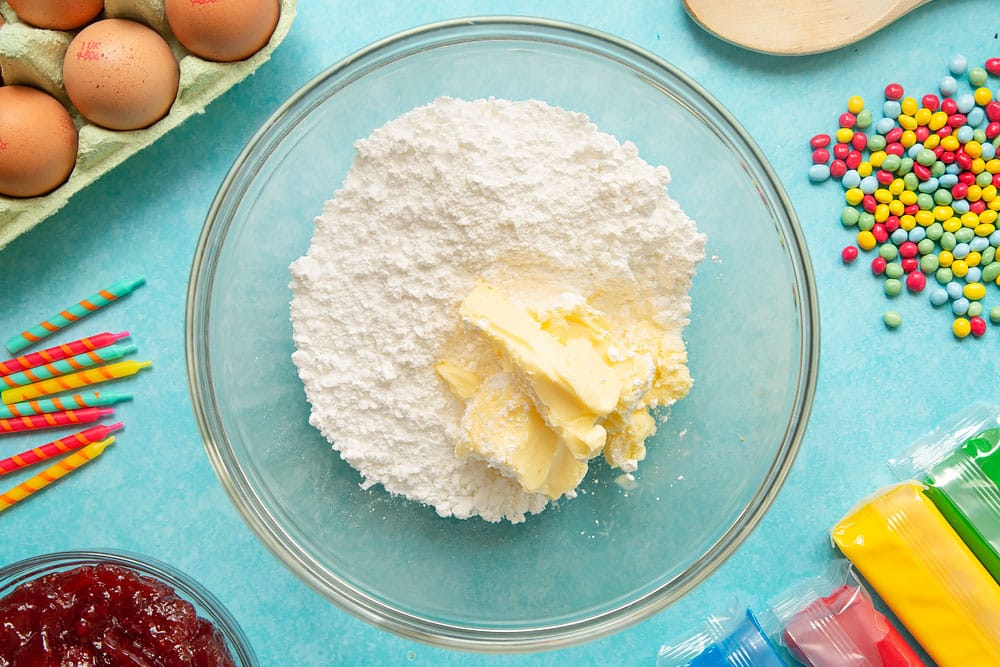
{"x": 32, "y": 56}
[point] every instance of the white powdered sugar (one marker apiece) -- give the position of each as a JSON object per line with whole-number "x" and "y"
{"x": 530, "y": 197}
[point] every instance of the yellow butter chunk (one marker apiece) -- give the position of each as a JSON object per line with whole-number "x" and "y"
{"x": 921, "y": 568}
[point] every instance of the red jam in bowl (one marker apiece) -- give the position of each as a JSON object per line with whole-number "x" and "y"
{"x": 105, "y": 615}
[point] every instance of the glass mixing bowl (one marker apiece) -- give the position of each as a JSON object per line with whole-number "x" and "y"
{"x": 206, "y": 605}
{"x": 587, "y": 567}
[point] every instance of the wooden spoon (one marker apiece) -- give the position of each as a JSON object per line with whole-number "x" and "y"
{"x": 796, "y": 27}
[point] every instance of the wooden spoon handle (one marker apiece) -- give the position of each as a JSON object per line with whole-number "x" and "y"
{"x": 796, "y": 27}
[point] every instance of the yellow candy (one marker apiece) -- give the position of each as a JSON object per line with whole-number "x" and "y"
{"x": 961, "y": 327}
{"x": 975, "y": 193}
{"x": 924, "y": 218}
{"x": 844, "y": 135}
{"x": 907, "y": 222}
{"x": 983, "y": 96}
{"x": 932, "y": 142}
{"x": 985, "y": 230}
{"x": 897, "y": 187}
{"x": 908, "y": 197}
{"x": 988, "y": 217}
{"x": 973, "y": 258}
{"x": 952, "y": 225}
{"x": 989, "y": 193}
{"x": 854, "y": 196}
{"x": 922, "y": 117}
{"x": 970, "y": 220}
{"x": 908, "y": 138}
{"x": 959, "y": 268}
{"x": 896, "y": 207}
{"x": 942, "y": 213}
{"x": 995, "y": 204}
{"x": 993, "y": 166}
{"x": 978, "y": 165}
{"x": 877, "y": 158}
{"x": 881, "y": 213}
{"x": 909, "y": 106}
{"x": 974, "y": 291}
{"x": 883, "y": 196}
{"x": 907, "y": 122}
{"x": 945, "y": 258}
{"x": 973, "y": 149}
{"x": 950, "y": 143}
{"x": 938, "y": 120}
{"x": 865, "y": 169}
{"x": 866, "y": 240}
{"x": 855, "y": 104}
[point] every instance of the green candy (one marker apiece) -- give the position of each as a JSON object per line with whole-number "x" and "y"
{"x": 975, "y": 309}
{"x": 942, "y": 196}
{"x": 893, "y": 287}
{"x": 849, "y": 216}
{"x": 863, "y": 120}
{"x": 995, "y": 314}
{"x": 926, "y": 157}
{"x": 906, "y": 166}
{"x": 984, "y": 178}
{"x": 888, "y": 251}
{"x": 891, "y": 162}
{"x": 877, "y": 143}
{"x": 934, "y": 231}
{"x": 964, "y": 235}
{"x": 929, "y": 263}
{"x": 866, "y": 221}
{"x": 943, "y": 276}
{"x": 892, "y": 319}
{"x": 977, "y": 77}
{"x": 948, "y": 241}
{"x": 925, "y": 247}
{"x": 894, "y": 270}
{"x": 987, "y": 255}
{"x": 991, "y": 271}
{"x": 938, "y": 169}
{"x": 910, "y": 180}
{"x": 925, "y": 201}
{"x": 979, "y": 136}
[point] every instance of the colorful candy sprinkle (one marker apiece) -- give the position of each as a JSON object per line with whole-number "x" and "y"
{"x": 922, "y": 189}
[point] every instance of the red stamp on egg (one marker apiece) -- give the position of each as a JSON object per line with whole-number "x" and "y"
{"x": 89, "y": 50}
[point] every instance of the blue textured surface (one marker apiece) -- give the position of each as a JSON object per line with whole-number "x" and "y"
{"x": 878, "y": 390}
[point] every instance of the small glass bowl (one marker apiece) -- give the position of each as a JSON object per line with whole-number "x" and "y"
{"x": 584, "y": 568}
{"x": 206, "y": 604}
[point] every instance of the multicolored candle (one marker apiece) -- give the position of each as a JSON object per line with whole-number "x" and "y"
{"x": 53, "y": 420}
{"x": 77, "y": 363}
{"x": 64, "y": 351}
{"x": 57, "y": 447}
{"x": 78, "y": 310}
{"x": 73, "y": 381}
{"x": 57, "y": 470}
{"x": 94, "y": 399}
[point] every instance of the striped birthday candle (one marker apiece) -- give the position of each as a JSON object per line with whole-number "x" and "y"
{"x": 75, "y": 312}
{"x": 73, "y": 381}
{"x": 94, "y": 399}
{"x": 53, "y": 420}
{"x": 64, "y": 351}
{"x": 54, "y": 472}
{"x": 57, "y": 447}
{"x": 64, "y": 366}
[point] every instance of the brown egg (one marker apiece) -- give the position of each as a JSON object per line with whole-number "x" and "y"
{"x": 38, "y": 142}
{"x": 57, "y": 14}
{"x": 223, "y": 30}
{"x": 120, "y": 74}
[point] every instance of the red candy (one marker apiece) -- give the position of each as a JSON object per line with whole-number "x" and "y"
{"x": 992, "y": 130}
{"x": 993, "y": 110}
{"x": 869, "y": 203}
{"x": 893, "y": 91}
{"x": 977, "y": 207}
{"x": 821, "y": 156}
{"x": 978, "y": 326}
{"x": 840, "y": 151}
{"x": 820, "y": 141}
{"x": 847, "y": 119}
{"x": 959, "y": 190}
{"x": 859, "y": 141}
{"x": 849, "y": 254}
{"x": 996, "y": 181}
{"x": 922, "y": 132}
{"x": 938, "y": 151}
{"x": 885, "y": 177}
{"x": 945, "y": 131}
{"x": 993, "y": 66}
{"x": 911, "y": 209}
{"x": 947, "y": 157}
{"x": 957, "y": 119}
{"x": 921, "y": 172}
{"x": 879, "y": 232}
{"x": 910, "y": 264}
{"x": 895, "y": 148}
{"x": 878, "y": 266}
{"x": 893, "y": 135}
{"x": 949, "y": 106}
{"x": 891, "y": 223}
{"x": 916, "y": 281}
{"x": 931, "y": 101}
{"x": 967, "y": 177}
{"x": 962, "y": 160}
{"x": 838, "y": 168}
{"x": 908, "y": 249}
{"x": 853, "y": 159}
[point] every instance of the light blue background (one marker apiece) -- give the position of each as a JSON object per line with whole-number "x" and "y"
{"x": 877, "y": 391}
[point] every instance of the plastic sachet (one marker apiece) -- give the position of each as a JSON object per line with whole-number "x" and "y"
{"x": 735, "y": 640}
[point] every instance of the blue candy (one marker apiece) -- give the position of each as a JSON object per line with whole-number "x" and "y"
{"x": 851, "y": 179}
{"x": 917, "y": 234}
{"x": 979, "y": 244}
{"x": 948, "y": 181}
{"x": 954, "y": 290}
{"x": 975, "y": 116}
{"x": 960, "y": 306}
{"x": 958, "y": 64}
{"x": 869, "y": 184}
{"x": 819, "y": 173}
{"x": 930, "y": 185}
{"x": 960, "y": 206}
{"x": 989, "y": 151}
{"x": 899, "y": 236}
{"x": 965, "y": 103}
{"x": 891, "y": 109}
{"x": 948, "y": 86}
{"x": 974, "y": 275}
{"x": 961, "y": 250}
{"x": 885, "y": 125}
{"x": 939, "y": 297}
{"x": 964, "y": 134}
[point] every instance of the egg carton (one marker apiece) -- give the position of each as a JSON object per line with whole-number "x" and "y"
{"x": 32, "y": 56}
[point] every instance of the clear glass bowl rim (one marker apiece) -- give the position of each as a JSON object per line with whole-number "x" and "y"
{"x": 225, "y": 461}
{"x": 30, "y": 568}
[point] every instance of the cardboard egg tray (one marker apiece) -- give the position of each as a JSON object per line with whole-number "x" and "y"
{"x": 31, "y": 56}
